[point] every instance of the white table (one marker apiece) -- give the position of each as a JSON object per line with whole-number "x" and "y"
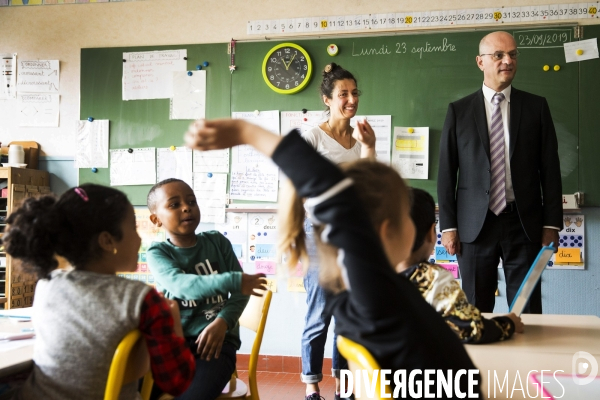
{"x": 549, "y": 343}
{"x": 18, "y": 359}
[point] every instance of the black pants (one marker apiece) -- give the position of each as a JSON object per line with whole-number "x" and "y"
{"x": 501, "y": 237}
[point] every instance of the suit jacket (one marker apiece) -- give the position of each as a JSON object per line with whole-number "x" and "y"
{"x": 464, "y": 169}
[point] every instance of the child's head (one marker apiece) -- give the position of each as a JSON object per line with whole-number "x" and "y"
{"x": 386, "y": 199}
{"x": 172, "y": 204}
{"x": 423, "y": 216}
{"x": 85, "y": 225}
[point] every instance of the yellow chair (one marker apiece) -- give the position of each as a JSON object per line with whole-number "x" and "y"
{"x": 359, "y": 357}
{"x": 120, "y": 366}
{"x": 254, "y": 318}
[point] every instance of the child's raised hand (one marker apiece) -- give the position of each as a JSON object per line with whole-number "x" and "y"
{"x": 250, "y": 283}
{"x": 519, "y": 325}
{"x": 226, "y": 133}
{"x": 210, "y": 341}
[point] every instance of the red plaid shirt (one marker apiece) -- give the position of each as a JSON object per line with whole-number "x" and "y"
{"x": 172, "y": 363}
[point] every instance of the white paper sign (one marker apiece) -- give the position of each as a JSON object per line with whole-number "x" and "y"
{"x": 174, "y": 164}
{"x": 149, "y": 75}
{"x": 211, "y": 193}
{"x": 189, "y": 95}
{"x": 299, "y": 120}
{"x": 572, "y": 236}
{"x": 8, "y": 78}
{"x": 235, "y": 229}
{"x": 254, "y": 176}
{"x": 38, "y": 109}
{"x": 40, "y": 76}
{"x": 382, "y": 126}
{"x": 410, "y": 152}
{"x": 211, "y": 161}
{"x": 588, "y": 49}
{"x": 92, "y": 144}
{"x": 135, "y": 168}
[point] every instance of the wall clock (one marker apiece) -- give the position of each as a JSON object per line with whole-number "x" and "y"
{"x": 287, "y": 68}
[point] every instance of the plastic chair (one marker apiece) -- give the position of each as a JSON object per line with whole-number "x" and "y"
{"x": 254, "y": 318}
{"x": 359, "y": 358}
{"x": 118, "y": 368}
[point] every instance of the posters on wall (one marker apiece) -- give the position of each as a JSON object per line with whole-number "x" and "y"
{"x": 8, "y": 77}
{"x": 149, "y": 74}
{"x": 189, "y": 95}
{"x": 254, "y": 176}
{"x": 571, "y": 244}
{"x": 41, "y": 76}
{"x": 211, "y": 194}
{"x": 174, "y": 163}
{"x": 410, "y": 152}
{"x": 38, "y": 109}
{"x": 135, "y": 167}
{"x": 382, "y": 126}
{"x": 91, "y": 144}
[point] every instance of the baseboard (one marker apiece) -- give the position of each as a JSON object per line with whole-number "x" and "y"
{"x": 272, "y": 363}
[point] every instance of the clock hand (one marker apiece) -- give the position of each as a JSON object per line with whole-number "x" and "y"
{"x": 287, "y": 66}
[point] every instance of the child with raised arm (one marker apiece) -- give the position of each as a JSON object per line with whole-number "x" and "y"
{"x": 363, "y": 215}
{"x": 441, "y": 290}
{"x": 200, "y": 272}
{"x": 80, "y": 315}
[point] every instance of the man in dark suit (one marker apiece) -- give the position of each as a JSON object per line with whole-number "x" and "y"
{"x": 499, "y": 183}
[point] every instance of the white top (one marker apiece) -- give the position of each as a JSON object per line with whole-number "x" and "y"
{"x": 329, "y": 148}
{"x": 505, "y": 109}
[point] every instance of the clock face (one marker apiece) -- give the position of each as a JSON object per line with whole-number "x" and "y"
{"x": 287, "y": 68}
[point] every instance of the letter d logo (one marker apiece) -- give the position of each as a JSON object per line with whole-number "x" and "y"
{"x": 580, "y": 367}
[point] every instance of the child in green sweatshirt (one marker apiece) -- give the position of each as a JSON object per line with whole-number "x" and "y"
{"x": 201, "y": 272}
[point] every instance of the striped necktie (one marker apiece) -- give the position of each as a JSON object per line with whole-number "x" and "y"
{"x": 498, "y": 172}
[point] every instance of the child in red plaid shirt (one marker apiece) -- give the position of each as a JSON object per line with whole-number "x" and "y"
{"x": 81, "y": 314}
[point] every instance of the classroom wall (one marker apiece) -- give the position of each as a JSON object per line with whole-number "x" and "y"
{"x": 59, "y": 32}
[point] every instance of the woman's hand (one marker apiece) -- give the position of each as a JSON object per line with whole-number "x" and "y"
{"x": 366, "y": 136}
{"x": 226, "y": 133}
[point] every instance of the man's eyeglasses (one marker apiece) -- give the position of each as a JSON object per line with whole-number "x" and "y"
{"x": 499, "y": 55}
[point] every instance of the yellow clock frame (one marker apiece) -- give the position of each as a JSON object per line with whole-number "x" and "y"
{"x": 308, "y": 72}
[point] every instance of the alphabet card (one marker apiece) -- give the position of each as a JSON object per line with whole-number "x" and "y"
{"x": 571, "y": 244}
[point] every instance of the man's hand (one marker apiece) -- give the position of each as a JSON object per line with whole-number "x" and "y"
{"x": 550, "y": 235}
{"x": 451, "y": 242}
{"x": 211, "y": 339}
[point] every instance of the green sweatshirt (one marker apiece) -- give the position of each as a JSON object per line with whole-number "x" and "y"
{"x": 204, "y": 279}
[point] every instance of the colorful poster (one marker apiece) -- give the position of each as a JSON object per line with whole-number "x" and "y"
{"x": 410, "y": 152}
{"x": 235, "y": 228}
{"x": 571, "y": 244}
{"x": 262, "y": 237}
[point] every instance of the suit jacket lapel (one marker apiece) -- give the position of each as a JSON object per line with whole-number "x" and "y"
{"x": 515, "y": 116}
{"x": 481, "y": 121}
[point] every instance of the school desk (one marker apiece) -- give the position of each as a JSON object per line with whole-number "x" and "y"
{"x": 549, "y": 343}
{"x": 17, "y": 359}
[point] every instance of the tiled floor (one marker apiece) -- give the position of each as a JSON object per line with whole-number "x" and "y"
{"x": 285, "y": 385}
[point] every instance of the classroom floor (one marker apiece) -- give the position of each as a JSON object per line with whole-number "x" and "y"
{"x": 285, "y": 385}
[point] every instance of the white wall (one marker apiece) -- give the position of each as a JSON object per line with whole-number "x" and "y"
{"x": 59, "y": 32}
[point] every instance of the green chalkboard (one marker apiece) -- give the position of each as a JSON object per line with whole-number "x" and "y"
{"x": 589, "y": 132}
{"x": 411, "y": 77}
